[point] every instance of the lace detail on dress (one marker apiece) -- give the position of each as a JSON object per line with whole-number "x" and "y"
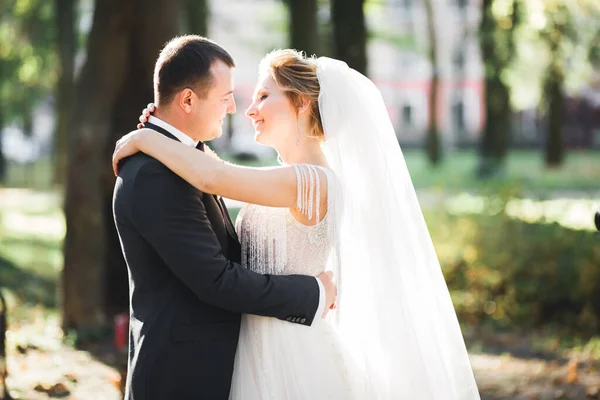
{"x": 274, "y": 242}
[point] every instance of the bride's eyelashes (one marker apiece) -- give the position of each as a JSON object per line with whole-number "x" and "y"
{"x": 263, "y": 97}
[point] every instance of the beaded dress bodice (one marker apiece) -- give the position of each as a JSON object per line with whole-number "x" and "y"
{"x": 274, "y": 242}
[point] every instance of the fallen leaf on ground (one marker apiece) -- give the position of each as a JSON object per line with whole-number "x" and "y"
{"x": 572, "y": 372}
{"x": 592, "y": 392}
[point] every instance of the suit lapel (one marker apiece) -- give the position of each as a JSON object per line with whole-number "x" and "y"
{"x": 226, "y": 217}
{"x": 222, "y": 207}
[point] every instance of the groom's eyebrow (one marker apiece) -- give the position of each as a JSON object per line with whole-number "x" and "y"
{"x": 228, "y": 93}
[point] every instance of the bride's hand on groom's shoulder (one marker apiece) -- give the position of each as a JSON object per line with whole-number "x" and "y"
{"x": 127, "y": 146}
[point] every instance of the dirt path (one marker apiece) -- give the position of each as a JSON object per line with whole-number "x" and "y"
{"x": 505, "y": 377}
{"x": 500, "y": 377}
{"x": 61, "y": 373}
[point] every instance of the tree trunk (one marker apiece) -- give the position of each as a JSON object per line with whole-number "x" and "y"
{"x": 27, "y": 118}
{"x": 303, "y": 26}
{"x": 147, "y": 41}
{"x": 433, "y": 145}
{"x": 560, "y": 28}
{"x": 2, "y": 158}
{"x": 115, "y": 84}
{"x": 497, "y": 127}
{"x": 65, "y": 17}
{"x": 350, "y": 33}
{"x": 3, "y": 166}
{"x": 97, "y": 91}
{"x": 554, "y": 141}
{"x": 197, "y": 15}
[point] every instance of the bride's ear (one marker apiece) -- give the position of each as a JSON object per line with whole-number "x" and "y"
{"x": 304, "y": 105}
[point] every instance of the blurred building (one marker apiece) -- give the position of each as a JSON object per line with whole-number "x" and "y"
{"x": 398, "y": 61}
{"x": 401, "y": 67}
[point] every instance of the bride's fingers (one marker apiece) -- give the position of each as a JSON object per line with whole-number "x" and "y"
{"x": 114, "y": 164}
{"x": 117, "y": 157}
{"x": 151, "y": 107}
{"x": 140, "y": 126}
{"x": 142, "y": 118}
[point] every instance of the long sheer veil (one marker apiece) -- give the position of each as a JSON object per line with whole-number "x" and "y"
{"x": 394, "y": 309}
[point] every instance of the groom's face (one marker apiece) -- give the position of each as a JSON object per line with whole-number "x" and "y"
{"x": 210, "y": 110}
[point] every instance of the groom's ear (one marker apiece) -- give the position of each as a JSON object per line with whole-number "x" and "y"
{"x": 186, "y": 97}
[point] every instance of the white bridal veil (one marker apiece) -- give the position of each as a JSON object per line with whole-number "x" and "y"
{"x": 394, "y": 308}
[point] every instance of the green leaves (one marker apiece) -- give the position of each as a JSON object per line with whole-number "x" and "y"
{"x": 518, "y": 272}
{"x": 27, "y": 55}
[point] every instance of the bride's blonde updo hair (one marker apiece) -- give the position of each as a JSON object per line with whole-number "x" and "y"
{"x": 296, "y": 75}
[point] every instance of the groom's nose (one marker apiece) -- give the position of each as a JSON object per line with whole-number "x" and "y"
{"x": 231, "y": 109}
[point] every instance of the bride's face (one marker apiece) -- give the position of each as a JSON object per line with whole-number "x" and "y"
{"x": 272, "y": 114}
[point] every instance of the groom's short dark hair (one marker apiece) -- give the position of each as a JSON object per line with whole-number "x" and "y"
{"x": 185, "y": 62}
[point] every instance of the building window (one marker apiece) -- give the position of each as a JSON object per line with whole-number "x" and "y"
{"x": 407, "y": 115}
{"x": 403, "y": 4}
{"x": 458, "y": 115}
{"x": 459, "y": 58}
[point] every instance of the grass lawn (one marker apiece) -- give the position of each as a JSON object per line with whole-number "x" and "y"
{"x": 32, "y": 224}
{"x": 32, "y": 229}
{"x": 31, "y": 233}
{"x": 580, "y": 172}
{"x": 524, "y": 168}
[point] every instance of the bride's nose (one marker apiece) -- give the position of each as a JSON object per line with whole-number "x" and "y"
{"x": 251, "y": 111}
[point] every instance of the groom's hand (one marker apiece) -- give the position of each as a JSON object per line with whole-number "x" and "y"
{"x": 326, "y": 279}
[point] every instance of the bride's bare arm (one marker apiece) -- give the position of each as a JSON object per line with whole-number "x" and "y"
{"x": 269, "y": 186}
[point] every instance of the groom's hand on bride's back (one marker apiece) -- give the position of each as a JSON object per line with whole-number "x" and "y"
{"x": 326, "y": 279}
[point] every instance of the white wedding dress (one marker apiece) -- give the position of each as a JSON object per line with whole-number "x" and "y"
{"x": 394, "y": 333}
{"x": 279, "y": 360}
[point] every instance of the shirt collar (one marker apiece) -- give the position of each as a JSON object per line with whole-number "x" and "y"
{"x": 183, "y": 138}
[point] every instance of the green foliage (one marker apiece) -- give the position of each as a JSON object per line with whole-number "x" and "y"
{"x": 594, "y": 52}
{"x": 27, "y": 54}
{"x": 574, "y": 23}
{"x": 518, "y": 274}
{"x": 580, "y": 171}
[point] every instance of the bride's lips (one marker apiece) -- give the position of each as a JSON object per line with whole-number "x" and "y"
{"x": 257, "y": 123}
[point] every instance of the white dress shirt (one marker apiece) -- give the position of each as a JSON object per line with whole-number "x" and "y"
{"x": 185, "y": 139}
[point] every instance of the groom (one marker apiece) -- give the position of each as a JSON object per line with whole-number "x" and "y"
{"x": 187, "y": 288}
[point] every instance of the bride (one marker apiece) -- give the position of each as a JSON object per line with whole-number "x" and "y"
{"x": 341, "y": 200}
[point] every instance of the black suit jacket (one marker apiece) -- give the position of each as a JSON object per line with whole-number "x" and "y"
{"x": 187, "y": 289}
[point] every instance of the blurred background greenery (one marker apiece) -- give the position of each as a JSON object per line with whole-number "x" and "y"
{"x": 496, "y": 105}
